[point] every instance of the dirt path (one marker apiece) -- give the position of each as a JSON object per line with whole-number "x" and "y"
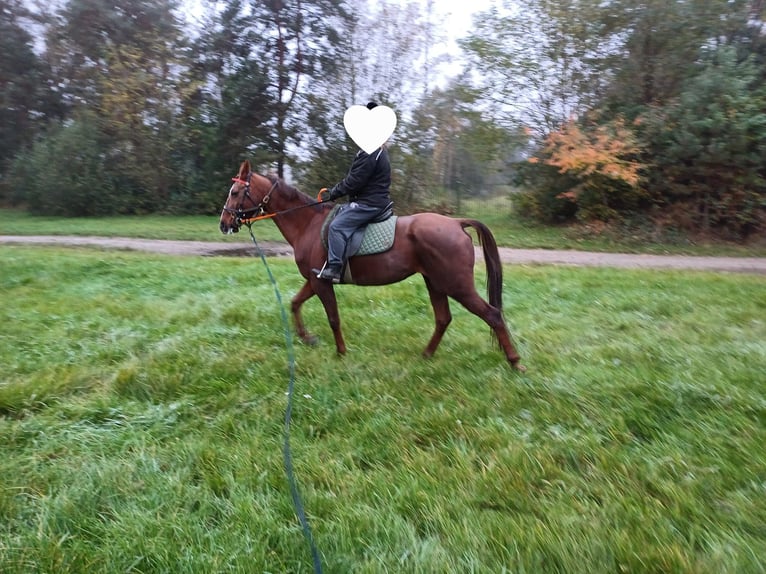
{"x": 511, "y": 256}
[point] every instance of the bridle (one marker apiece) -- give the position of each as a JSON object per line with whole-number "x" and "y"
{"x": 258, "y": 210}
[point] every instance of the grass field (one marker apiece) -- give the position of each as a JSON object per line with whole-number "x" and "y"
{"x": 142, "y": 401}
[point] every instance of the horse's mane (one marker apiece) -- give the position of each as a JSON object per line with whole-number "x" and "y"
{"x": 288, "y": 191}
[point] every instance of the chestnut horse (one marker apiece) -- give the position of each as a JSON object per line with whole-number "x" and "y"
{"x": 433, "y": 245}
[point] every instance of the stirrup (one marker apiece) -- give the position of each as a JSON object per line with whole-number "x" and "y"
{"x": 327, "y": 274}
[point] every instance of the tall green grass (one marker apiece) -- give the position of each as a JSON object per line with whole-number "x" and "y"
{"x": 142, "y": 400}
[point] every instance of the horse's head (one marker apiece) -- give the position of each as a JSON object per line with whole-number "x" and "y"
{"x": 248, "y": 196}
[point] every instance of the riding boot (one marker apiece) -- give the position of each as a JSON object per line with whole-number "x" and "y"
{"x": 329, "y": 273}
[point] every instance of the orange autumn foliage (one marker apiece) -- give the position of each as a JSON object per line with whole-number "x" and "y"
{"x": 606, "y": 150}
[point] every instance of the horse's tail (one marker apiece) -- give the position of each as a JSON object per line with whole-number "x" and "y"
{"x": 492, "y": 261}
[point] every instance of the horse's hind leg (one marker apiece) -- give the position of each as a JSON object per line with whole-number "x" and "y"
{"x": 306, "y": 293}
{"x": 494, "y": 318}
{"x": 442, "y": 317}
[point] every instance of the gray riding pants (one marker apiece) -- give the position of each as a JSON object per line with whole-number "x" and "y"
{"x": 351, "y": 217}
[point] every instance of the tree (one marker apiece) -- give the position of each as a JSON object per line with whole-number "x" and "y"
{"x": 226, "y": 118}
{"x": 125, "y": 61}
{"x": 380, "y": 57}
{"x": 67, "y": 173}
{"x": 542, "y": 63}
{"x": 298, "y": 41}
{"x": 709, "y": 148}
{"x": 389, "y": 53}
{"x": 662, "y": 41}
{"x": 84, "y": 35}
{"x": 449, "y": 150}
{"x": 25, "y": 98}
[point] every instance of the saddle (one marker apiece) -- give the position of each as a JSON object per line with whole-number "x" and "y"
{"x": 376, "y": 237}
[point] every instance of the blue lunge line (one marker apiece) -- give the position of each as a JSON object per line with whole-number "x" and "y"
{"x": 288, "y": 457}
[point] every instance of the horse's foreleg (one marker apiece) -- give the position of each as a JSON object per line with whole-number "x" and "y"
{"x": 326, "y": 295}
{"x": 306, "y": 293}
{"x": 442, "y": 317}
{"x": 494, "y": 318}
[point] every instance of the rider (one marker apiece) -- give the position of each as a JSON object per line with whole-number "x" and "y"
{"x": 367, "y": 185}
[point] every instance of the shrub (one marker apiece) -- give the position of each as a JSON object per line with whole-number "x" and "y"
{"x": 588, "y": 171}
{"x": 65, "y": 173}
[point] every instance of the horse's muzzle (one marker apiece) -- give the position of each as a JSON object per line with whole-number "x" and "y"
{"x": 228, "y": 229}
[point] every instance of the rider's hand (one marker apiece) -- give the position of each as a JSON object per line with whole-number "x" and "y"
{"x": 324, "y": 195}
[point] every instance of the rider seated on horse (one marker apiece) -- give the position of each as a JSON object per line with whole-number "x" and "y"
{"x": 367, "y": 186}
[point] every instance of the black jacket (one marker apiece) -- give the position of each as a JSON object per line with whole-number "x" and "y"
{"x": 368, "y": 181}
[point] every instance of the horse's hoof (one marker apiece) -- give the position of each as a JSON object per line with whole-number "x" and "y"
{"x": 310, "y": 340}
{"x": 520, "y": 368}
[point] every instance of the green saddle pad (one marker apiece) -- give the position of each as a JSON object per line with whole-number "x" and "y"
{"x": 378, "y": 237}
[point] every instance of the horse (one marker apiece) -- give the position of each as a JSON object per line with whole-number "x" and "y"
{"x": 436, "y": 246}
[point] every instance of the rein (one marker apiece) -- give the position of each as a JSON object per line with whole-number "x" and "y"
{"x": 286, "y": 451}
{"x": 275, "y": 213}
{"x": 246, "y": 217}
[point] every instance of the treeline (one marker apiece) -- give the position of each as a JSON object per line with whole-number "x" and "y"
{"x": 651, "y": 112}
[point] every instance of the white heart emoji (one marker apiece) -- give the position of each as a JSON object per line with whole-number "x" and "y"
{"x": 369, "y": 129}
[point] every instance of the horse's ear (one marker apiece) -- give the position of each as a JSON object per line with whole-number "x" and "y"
{"x": 244, "y": 169}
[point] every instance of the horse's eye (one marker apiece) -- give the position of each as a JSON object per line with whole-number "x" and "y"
{"x": 234, "y": 193}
